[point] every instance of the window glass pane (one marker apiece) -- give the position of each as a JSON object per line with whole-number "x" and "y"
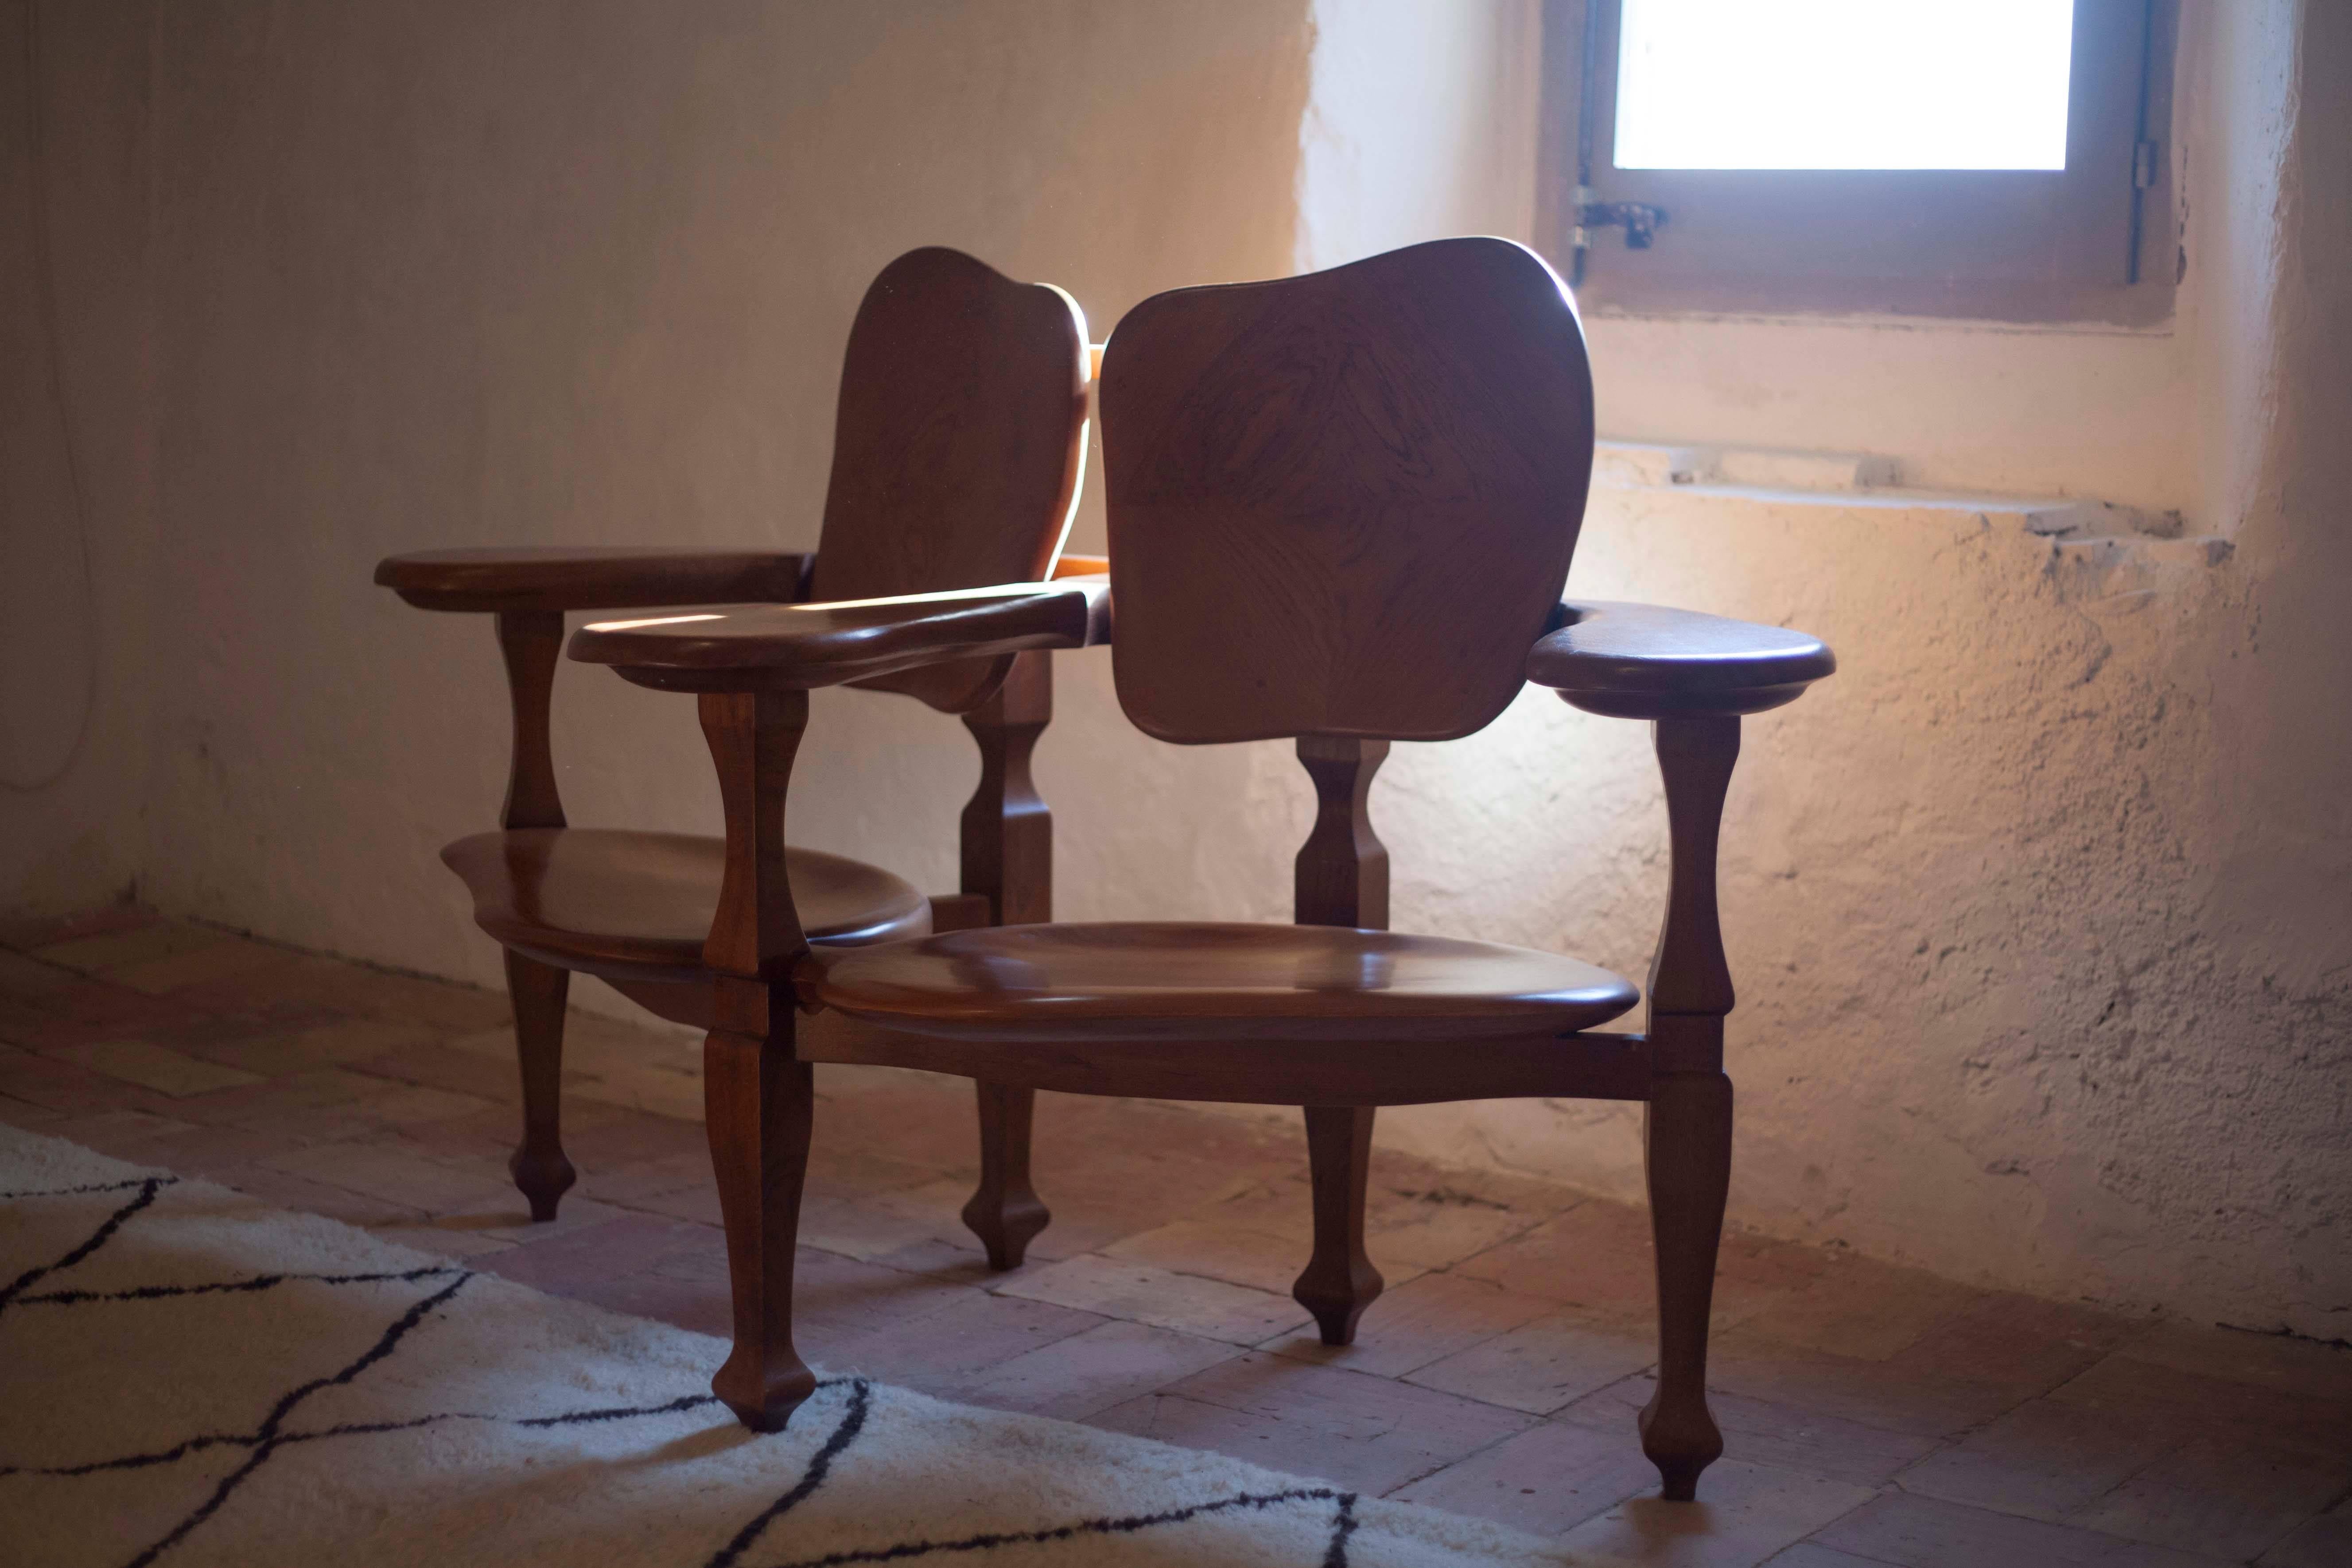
{"x": 1844, "y": 84}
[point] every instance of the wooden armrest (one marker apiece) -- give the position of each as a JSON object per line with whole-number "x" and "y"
{"x": 799, "y": 647}
{"x": 1640, "y": 661}
{"x": 591, "y": 578}
{"x": 1081, "y": 566}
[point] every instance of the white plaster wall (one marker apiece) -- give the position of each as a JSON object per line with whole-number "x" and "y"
{"x": 2039, "y": 909}
{"x": 582, "y": 273}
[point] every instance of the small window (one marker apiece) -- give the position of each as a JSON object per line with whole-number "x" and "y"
{"x": 1995, "y": 159}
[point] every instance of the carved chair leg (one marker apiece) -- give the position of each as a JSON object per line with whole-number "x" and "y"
{"x": 1688, "y": 1150}
{"x": 1339, "y": 1281}
{"x": 758, "y": 1102}
{"x": 1005, "y": 1213}
{"x": 539, "y": 991}
{"x": 1007, "y": 842}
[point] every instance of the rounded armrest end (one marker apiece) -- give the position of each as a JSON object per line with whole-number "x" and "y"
{"x": 1642, "y": 661}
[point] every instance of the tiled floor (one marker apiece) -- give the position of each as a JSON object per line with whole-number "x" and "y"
{"x": 1873, "y": 1414}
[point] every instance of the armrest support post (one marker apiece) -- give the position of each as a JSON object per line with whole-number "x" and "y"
{"x": 1690, "y": 981}
{"x": 1342, "y": 874}
{"x": 756, "y": 932}
{"x": 531, "y": 641}
{"x": 1007, "y": 832}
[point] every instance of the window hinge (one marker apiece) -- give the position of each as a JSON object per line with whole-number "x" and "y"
{"x": 1639, "y": 221}
{"x": 2144, "y": 165}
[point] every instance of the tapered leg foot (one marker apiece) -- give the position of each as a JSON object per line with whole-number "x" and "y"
{"x": 1005, "y": 1213}
{"x": 1339, "y": 1281}
{"x": 758, "y": 1102}
{"x": 1688, "y": 1150}
{"x": 539, "y": 1170}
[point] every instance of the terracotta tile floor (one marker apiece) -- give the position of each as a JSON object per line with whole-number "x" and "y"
{"x": 1873, "y": 1414}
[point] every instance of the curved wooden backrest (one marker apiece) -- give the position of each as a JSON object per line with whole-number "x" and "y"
{"x": 958, "y": 443}
{"x": 1343, "y": 504}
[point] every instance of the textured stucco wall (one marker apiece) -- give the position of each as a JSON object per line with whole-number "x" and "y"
{"x": 2038, "y": 910}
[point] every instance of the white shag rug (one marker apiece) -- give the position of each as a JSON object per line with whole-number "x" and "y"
{"x": 188, "y": 1376}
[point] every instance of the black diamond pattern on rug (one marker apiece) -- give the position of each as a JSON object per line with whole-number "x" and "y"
{"x": 277, "y": 1432}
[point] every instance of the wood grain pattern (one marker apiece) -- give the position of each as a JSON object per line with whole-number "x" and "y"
{"x": 755, "y": 932}
{"x": 959, "y": 439}
{"x": 1339, "y": 1280}
{"x": 614, "y": 902}
{"x": 1689, "y": 973}
{"x": 1008, "y": 861}
{"x": 1364, "y": 1069}
{"x": 799, "y": 647}
{"x": 530, "y": 641}
{"x": 1687, "y": 1157}
{"x": 1341, "y": 878}
{"x": 1342, "y": 874}
{"x": 1344, "y": 503}
{"x": 591, "y": 577}
{"x": 1007, "y": 833}
{"x": 1144, "y": 980}
{"x": 760, "y": 1104}
{"x": 1686, "y": 1146}
{"x": 539, "y": 1169}
{"x": 1005, "y": 1211}
{"x": 1641, "y": 661}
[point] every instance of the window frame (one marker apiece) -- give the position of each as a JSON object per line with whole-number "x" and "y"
{"x": 2097, "y": 243}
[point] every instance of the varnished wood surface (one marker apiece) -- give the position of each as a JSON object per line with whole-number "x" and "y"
{"x": 1339, "y": 1280}
{"x": 530, "y": 641}
{"x": 1007, "y": 838}
{"x": 1642, "y": 661}
{"x": 1364, "y": 1069}
{"x": 1687, "y": 1158}
{"x": 589, "y": 577}
{"x": 799, "y": 647}
{"x": 1689, "y": 975}
{"x": 1343, "y": 504}
{"x": 1004, "y": 1210}
{"x": 958, "y": 440}
{"x": 645, "y": 901}
{"x": 537, "y": 992}
{"x": 1006, "y": 831}
{"x": 757, "y": 932}
{"x": 1341, "y": 878}
{"x": 759, "y": 1105}
{"x": 1342, "y": 874}
{"x": 1142, "y": 980}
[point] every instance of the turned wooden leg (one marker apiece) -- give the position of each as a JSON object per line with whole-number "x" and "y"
{"x": 1007, "y": 840}
{"x": 1005, "y": 1213}
{"x": 538, "y": 991}
{"x": 759, "y": 1101}
{"x": 1688, "y": 1150}
{"x": 1339, "y": 1281}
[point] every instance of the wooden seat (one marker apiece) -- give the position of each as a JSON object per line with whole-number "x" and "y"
{"x": 640, "y": 905}
{"x": 1342, "y": 508}
{"x": 1146, "y": 981}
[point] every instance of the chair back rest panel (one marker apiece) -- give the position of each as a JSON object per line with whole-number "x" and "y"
{"x": 958, "y": 443}
{"x": 1344, "y": 503}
